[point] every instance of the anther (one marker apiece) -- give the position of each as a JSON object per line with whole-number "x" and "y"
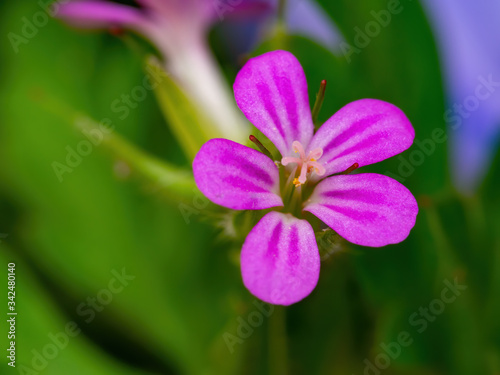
{"x": 306, "y": 164}
{"x": 351, "y": 168}
{"x": 320, "y": 97}
{"x": 261, "y": 147}
{"x": 116, "y": 31}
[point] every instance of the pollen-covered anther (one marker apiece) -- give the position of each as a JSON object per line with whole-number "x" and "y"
{"x": 305, "y": 164}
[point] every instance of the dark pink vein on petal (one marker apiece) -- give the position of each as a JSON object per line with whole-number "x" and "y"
{"x": 265, "y": 96}
{"x": 358, "y": 195}
{"x": 357, "y": 215}
{"x": 287, "y": 94}
{"x": 356, "y": 129}
{"x": 293, "y": 250}
{"x": 241, "y": 183}
{"x": 272, "y": 246}
{"x": 251, "y": 169}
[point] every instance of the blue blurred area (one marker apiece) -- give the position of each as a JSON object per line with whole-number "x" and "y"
{"x": 468, "y": 37}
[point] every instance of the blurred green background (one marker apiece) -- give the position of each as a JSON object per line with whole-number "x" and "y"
{"x": 183, "y": 308}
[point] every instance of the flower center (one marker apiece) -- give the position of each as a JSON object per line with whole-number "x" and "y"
{"x": 306, "y": 164}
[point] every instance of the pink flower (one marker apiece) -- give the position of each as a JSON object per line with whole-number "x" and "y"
{"x": 280, "y": 260}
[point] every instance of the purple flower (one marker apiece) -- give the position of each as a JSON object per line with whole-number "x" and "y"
{"x": 307, "y": 17}
{"x": 178, "y": 28}
{"x": 301, "y": 17}
{"x": 280, "y": 260}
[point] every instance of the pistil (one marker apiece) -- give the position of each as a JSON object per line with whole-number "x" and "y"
{"x": 306, "y": 164}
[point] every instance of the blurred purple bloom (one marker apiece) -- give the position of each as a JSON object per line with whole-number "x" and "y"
{"x": 307, "y": 18}
{"x": 169, "y": 24}
{"x": 302, "y": 17}
{"x": 468, "y": 34}
{"x": 279, "y": 259}
{"x": 178, "y": 29}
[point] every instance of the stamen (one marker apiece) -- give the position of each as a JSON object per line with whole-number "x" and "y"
{"x": 351, "y": 168}
{"x": 297, "y": 147}
{"x": 303, "y": 175}
{"x": 320, "y": 97}
{"x": 261, "y": 147}
{"x": 320, "y": 170}
{"x": 290, "y": 159}
{"x": 307, "y": 164}
{"x": 315, "y": 154}
{"x": 116, "y": 30}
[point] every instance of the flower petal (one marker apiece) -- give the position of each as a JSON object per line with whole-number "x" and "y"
{"x": 195, "y": 13}
{"x": 365, "y": 131}
{"x": 271, "y": 90}
{"x": 308, "y": 18}
{"x": 236, "y": 176}
{"x": 367, "y": 209}
{"x": 280, "y": 260}
{"x": 101, "y": 14}
{"x": 241, "y": 10}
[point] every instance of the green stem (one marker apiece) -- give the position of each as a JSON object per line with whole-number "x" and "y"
{"x": 320, "y": 97}
{"x": 177, "y": 184}
{"x": 279, "y": 35}
{"x": 476, "y": 219}
{"x": 278, "y": 351}
{"x": 191, "y": 127}
{"x": 447, "y": 261}
{"x": 261, "y": 147}
{"x": 281, "y": 11}
{"x": 296, "y": 204}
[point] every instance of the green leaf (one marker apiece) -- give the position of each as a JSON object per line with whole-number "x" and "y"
{"x": 45, "y": 339}
{"x": 75, "y": 232}
{"x": 189, "y": 126}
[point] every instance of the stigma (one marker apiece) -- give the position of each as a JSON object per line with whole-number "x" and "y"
{"x": 306, "y": 165}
